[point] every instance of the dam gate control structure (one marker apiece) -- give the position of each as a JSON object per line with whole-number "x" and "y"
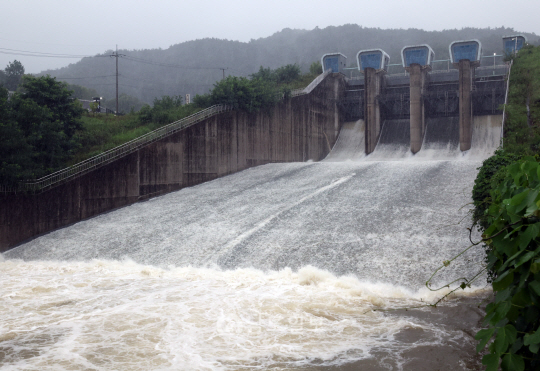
{"x": 464, "y": 90}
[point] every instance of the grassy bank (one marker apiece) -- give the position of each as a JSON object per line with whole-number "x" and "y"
{"x": 103, "y": 132}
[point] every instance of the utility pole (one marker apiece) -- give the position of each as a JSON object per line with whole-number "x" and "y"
{"x": 223, "y": 69}
{"x": 116, "y": 78}
{"x": 116, "y": 55}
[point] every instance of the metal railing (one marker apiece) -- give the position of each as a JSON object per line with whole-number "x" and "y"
{"x": 489, "y": 62}
{"x": 506, "y": 102}
{"x": 115, "y": 153}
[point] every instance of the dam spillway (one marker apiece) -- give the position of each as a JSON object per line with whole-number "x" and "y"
{"x": 278, "y": 266}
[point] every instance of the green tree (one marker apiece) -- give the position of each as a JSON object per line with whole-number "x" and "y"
{"x": 244, "y": 94}
{"x": 49, "y": 93}
{"x": 48, "y": 119}
{"x": 315, "y": 68}
{"x": 15, "y": 152}
{"x": 282, "y": 75}
{"x": 94, "y": 106}
{"x": 287, "y": 74}
{"x": 13, "y": 75}
{"x": 163, "y": 112}
{"x": 264, "y": 74}
{"x": 489, "y": 177}
{"x": 202, "y": 101}
{"x": 2, "y": 78}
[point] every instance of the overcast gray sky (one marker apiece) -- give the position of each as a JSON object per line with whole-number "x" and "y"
{"x": 76, "y": 27}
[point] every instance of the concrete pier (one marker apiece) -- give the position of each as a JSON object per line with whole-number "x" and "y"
{"x": 373, "y": 80}
{"x": 418, "y": 76}
{"x": 465, "y": 104}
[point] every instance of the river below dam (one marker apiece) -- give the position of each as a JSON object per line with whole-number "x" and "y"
{"x": 300, "y": 266}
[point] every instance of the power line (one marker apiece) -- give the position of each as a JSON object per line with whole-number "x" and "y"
{"x": 100, "y": 84}
{"x": 29, "y": 53}
{"x": 39, "y": 43}
{"x": 44, "y": 55}
{"x": 81, "y": 78}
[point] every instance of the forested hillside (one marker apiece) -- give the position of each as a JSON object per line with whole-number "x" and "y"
{"x": 194, "y": 66}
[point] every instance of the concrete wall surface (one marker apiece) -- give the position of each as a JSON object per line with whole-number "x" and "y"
{"x": 301, "y": 128}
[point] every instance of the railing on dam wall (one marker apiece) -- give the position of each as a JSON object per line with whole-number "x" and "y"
{"x": 117, "y": 152}
{"x": 491, "y": 65}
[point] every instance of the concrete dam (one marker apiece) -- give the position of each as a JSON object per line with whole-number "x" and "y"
{"x": 294, "y": 265}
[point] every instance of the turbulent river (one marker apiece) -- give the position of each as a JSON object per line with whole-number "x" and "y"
{"x": 301, "y": 266}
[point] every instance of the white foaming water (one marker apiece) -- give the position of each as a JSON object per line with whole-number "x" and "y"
{"x": 106, "y": 315}
{"x": 278, "y": 267}
{"x": 386, "y": 221}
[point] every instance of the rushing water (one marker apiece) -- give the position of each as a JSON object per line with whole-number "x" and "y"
{"x": 283, "y": 266}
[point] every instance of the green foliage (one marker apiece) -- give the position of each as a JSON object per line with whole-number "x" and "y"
{"x": 260, "y": 92}
{"x": 202, "y": 101}
{"x": 164, "y": 111}
{"x": 126, "y": 103}
{"x": 281, "y": 76}
{"x": 287, "y": 74}
{"x": 53, "y": 96}
{"x": 513, "y": 236}
{"x": 506, "y": 200}
{"x": 13, "y": 74}
{"x": 241, "y": 93}
{"x": 315, "y": 68}
{"x": 37, "y": 129}
{"x": 15, "y": 152}
{"x": 489, "y": 176}
{"x": 94, "y": 106}
{"x": 104, "y": 132}
{"x": 264, "y": 74}
{"x": 522, "y": 126}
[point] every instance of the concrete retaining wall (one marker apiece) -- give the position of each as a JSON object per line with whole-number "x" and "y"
{"x": 297, "y": 129}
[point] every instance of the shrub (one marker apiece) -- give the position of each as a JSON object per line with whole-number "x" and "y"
{"x": 514, "y": 256}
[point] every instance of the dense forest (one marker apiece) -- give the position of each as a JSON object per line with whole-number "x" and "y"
{"x": 193, "y": 67}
